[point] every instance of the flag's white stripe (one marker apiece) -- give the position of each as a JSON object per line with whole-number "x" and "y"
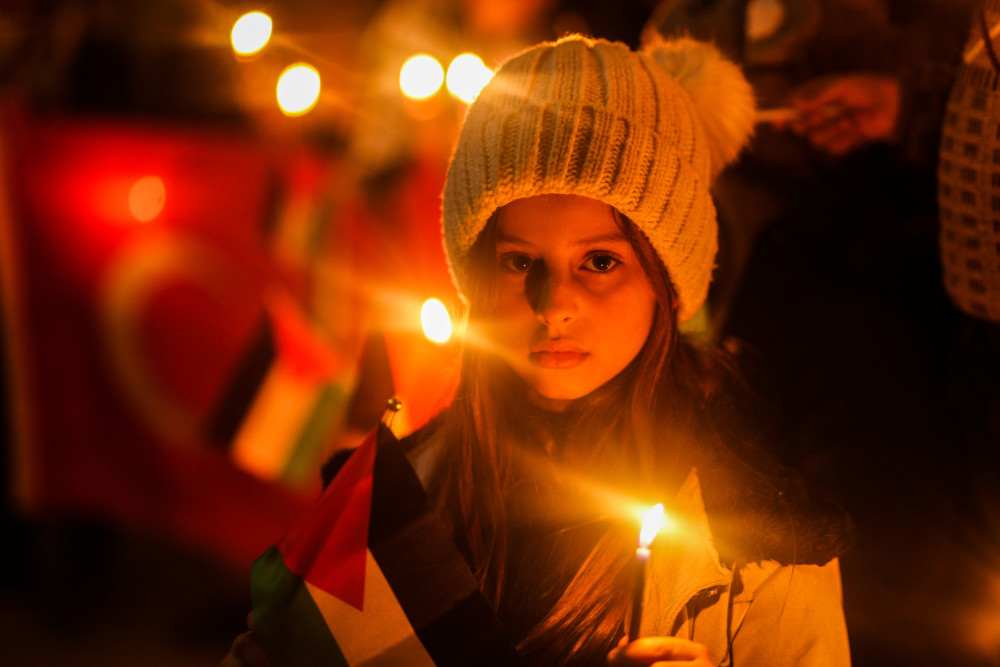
{"x": 380, "y": 634}
{"x": 275, "y": 421}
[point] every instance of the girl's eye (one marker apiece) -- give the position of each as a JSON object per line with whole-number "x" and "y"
{"x": 518, "y": 263}
{"x": 600, "y": 263}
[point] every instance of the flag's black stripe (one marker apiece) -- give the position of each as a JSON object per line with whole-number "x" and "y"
{"x": 426, "y": 572}
{"x": 398, "y": 497}
{"x": 427, "y": 567}
{"x": 242, "y": 386}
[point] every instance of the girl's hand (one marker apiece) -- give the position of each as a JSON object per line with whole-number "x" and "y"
{"x": 246, "y": 652}
{"x": 659, "y": 652}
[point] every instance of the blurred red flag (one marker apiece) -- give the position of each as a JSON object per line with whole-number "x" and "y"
{"x": 134, "y": 261}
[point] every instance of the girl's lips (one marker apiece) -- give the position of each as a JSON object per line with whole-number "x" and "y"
{"x": 558, "y": 359}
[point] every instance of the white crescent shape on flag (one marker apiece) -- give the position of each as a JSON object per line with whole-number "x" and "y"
{"x": 129, "y": 281}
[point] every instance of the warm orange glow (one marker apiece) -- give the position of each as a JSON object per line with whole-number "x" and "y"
{"x": 146, "y": 198}
{"x": 653, "y": 521}
{"x": 980, "y": 622}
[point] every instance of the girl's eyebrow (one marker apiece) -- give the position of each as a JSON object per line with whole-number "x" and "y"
{"x": 511, "y": 240}
{"x": 614, "y": 237}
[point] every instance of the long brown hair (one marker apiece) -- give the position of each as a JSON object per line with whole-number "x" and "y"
{"x": 643, "y": 430}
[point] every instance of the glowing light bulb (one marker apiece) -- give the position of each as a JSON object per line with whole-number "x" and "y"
{"x": 467, "y": 76}
{"x": 435, "y": 321}
{"x": 298, "y": 89}
{"x": 146, "y": 198}
{"x": 251, "y": 32}
{"x": 421, "y": 77}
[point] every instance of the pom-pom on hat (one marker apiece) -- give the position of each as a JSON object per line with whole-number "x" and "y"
{"x": 645, "y": 132}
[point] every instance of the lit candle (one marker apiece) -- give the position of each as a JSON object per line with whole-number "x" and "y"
{"x": 652, "y": 521}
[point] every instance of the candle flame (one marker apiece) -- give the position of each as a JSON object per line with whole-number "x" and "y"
{"x": 652, "y": 521}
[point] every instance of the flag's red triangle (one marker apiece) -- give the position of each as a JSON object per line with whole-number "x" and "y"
{"x": 328, "y": 546}
{"x": 300, "y": 347}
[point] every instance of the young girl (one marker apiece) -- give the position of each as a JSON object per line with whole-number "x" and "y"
{"x": 579, "y": 226}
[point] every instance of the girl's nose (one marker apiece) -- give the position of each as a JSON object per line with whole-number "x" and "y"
{"x": 555, "y": 304}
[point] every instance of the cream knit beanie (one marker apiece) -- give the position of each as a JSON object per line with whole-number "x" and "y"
{"x": 645, "y": 132}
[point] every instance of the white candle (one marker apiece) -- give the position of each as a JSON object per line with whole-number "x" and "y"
{"x": 652, "y": 521}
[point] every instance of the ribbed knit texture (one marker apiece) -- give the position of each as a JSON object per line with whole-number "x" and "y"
{"x": 592, "y": 118}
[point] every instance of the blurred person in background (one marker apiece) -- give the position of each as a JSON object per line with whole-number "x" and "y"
{"x": 840, "y": 190}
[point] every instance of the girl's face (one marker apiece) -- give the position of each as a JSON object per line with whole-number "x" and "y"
{"x": 574, "y": 306}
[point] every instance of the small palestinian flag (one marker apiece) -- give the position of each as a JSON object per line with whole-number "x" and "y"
{"x": 370, "y": 576}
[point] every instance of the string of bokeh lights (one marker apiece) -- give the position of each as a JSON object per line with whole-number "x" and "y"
{"x": 298, "y": 90}
{"x": 299, "y": 85}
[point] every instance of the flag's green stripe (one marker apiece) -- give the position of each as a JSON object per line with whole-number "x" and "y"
{"x": 287, "y": 622}
{"x": 327, "y": 411}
